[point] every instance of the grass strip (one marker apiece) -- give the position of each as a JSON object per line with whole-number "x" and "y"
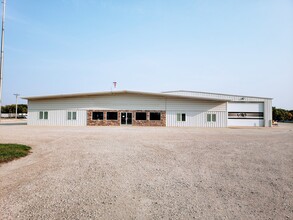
{"x": 10, "y": 152}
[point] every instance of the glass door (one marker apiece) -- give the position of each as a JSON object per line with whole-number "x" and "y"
{"x": 126, "y": 118}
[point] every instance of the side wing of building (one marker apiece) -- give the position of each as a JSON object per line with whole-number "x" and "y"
{"x": 241, "y": 110}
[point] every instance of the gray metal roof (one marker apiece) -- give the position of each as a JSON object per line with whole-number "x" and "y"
{"x": 211, "y": 93}
{"x": 75, "y": 95}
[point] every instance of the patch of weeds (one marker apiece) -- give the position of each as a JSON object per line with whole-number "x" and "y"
{"x": 10, "y": 152}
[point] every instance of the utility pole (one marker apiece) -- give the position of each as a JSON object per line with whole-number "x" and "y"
{"x": 2, "y": 54}
{"x": 16, "y": 96}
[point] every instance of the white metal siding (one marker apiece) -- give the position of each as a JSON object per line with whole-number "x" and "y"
{"x": 267, "y": 103}
{"x": 129, "y": 102}
{"x": 57, "y": 117}
{"x": 195, "y": 109}
{"x": 268, "y": 115}
{"x": 245, "y": 107}
{"x": 195, "y": 105}
{"x": 196, "y": 119}
{"x": 196, "y": 113}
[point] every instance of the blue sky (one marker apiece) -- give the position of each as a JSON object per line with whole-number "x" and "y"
{"x": 68, "y": 46}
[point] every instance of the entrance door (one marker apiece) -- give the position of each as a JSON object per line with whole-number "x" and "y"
{"x": 126, "y": 118}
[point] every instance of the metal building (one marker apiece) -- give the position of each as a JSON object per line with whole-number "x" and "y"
{"x": 172, "y": 108}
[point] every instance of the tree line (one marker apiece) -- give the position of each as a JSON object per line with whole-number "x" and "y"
{"x": 280, "y": 114}
{"x": 21, "y": 108}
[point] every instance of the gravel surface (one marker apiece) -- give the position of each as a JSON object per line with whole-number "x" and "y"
{"x": 148, "y": 173}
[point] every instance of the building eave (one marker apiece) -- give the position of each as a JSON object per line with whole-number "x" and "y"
{"x": 169, "y": 92}
{"x": 77, "y": 95}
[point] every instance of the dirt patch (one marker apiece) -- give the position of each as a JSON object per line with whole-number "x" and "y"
{"x": 148, "y": 173}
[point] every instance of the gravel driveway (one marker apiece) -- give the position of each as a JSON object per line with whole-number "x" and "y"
{"x": 148, "y": 173}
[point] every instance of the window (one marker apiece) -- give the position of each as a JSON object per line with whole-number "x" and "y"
{"x": 211, "y": 117}
{"x": 68, "y": 115}
{"x": 43, "y": 115}
{"x": 140, "y": 116}
{"x": 155, "y": 116}
{"x": 71, "y": 115}
{"x": 98, "y": 116}
{"x": 181, "y": 117}
{"x": 112, "y": 116}
{"x": 245, "y": 115}
{"x": 214, "y": 117}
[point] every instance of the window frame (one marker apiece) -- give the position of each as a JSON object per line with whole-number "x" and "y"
{"x": 181, "y": 117}
{"x": 211, "y": 117}
{"x": 43, "y": 115}
{"x": 71, "y": 115}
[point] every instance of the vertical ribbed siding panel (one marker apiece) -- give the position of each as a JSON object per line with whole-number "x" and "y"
{"x": 194, "y": 105}
{"x": 221, "y": 120}
{"x": 58, "y": 117}
{"x": 171, "y": 120}
{"x": 268, "y": 113}
{"x": 196, "y": 119}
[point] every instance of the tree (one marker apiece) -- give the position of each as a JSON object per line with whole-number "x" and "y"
{"x": 21, "y": 108}
{"x": 282, "y": 114}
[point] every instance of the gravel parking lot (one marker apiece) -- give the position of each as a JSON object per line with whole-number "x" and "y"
{"x": 148, "y": 173}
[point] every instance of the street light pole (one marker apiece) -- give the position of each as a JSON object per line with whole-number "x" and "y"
{"x": 2, "y": 54}
{"x": 16, "y": 96}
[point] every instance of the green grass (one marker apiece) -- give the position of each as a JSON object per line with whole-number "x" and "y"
{"x": 10, "y": 152}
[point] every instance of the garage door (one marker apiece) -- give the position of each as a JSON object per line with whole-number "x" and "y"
{"x": 245, "y": 114}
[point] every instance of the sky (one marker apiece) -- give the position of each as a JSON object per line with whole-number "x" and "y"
{"x": 72, "y": 46}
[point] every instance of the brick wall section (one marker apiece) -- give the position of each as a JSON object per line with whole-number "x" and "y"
{"x": 148, "y": 122}
{"x": 105, "y": 122}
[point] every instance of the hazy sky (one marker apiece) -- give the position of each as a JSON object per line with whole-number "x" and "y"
{"x": 68, "y": 46}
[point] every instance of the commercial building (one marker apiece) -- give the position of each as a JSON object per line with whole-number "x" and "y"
{"x": 133, "y": 108}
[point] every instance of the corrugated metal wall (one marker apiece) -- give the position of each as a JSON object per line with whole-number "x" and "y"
{"x": 196, "y": 119}
{"x": 195, "y": 105}
{"x": 57, "y": 117}
{"x": 127, "y": 102}
{"x": 268, "y": 116}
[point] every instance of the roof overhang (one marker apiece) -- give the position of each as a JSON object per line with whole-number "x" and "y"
{"x": 78, "y": 95}
{"x": 212, "y": 93}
